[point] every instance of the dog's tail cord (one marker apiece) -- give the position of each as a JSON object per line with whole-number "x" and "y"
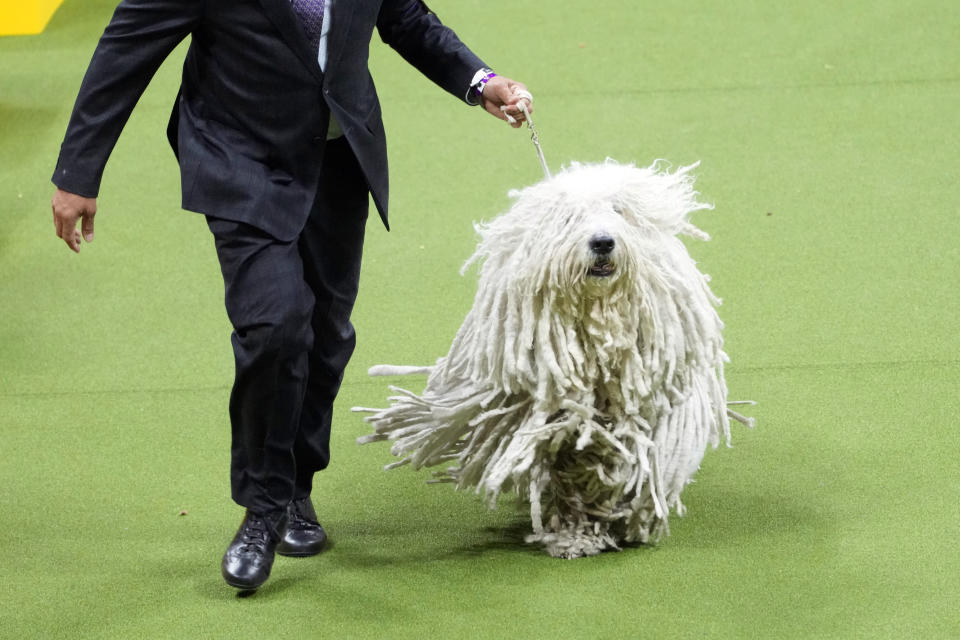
{"x": 533, "y": 132}
{"x": 739, "y": 417}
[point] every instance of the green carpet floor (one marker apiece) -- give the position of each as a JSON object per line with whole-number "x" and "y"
{"x": 828, "y": 139}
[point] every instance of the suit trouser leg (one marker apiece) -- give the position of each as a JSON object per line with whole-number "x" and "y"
{"x": 331, "y": 246}
{"x": 290, "y": 304}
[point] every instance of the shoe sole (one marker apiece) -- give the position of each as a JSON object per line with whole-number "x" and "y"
{"x": 298, "y": 554}
{"x": 243, "y": 587}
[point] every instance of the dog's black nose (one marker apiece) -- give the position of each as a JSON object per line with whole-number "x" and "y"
{"x": 601, "y": 244}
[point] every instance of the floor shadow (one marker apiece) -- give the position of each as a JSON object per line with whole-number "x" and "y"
{"x": 511, "y": 538}
{"x": 728, "y": 516}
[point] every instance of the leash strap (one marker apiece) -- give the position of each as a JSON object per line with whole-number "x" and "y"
{"x": 535, "y": 138}
{"x": 533, "y": 131}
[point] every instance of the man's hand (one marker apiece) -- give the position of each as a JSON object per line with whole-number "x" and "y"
{"x": 503, "y": 92}
{"x": 68, "y": 208}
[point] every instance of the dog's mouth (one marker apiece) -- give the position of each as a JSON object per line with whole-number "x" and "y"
{"x": 602, "y": 268}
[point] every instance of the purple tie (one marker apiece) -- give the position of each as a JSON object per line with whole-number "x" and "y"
{"x": 311, "y": 16}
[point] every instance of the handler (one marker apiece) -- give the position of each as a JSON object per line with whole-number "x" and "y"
{"x": 278, "y": 132}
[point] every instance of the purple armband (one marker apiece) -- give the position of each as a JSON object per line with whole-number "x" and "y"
{"x": 483, "y": 82}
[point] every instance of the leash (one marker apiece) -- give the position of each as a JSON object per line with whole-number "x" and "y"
{"x": 522, "y": 106}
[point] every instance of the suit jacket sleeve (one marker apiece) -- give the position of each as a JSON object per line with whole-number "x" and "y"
{"x": 136, "y": 41}
{"x": 433, "y": 48}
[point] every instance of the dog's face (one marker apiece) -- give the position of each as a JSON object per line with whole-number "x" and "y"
{"x": 588, "y": 228}
{"x": 605, "y": 240}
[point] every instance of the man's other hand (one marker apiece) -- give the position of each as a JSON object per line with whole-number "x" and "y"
{"x": 68, "y": 208}
{"x": 503, "y": 92}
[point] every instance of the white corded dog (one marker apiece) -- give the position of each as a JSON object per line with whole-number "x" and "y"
{"x": 588, "y": 376}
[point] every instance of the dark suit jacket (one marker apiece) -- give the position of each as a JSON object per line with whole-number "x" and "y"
{"x": 251, "y": 119}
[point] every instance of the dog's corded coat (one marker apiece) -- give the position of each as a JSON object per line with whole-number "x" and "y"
{"x": 588, "y": 376}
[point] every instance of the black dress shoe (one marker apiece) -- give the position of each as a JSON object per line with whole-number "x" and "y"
{"x": 247, "y": 562}
{"x": 304, "y": 536}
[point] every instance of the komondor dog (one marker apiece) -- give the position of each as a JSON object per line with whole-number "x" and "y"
{"x": 588, "y": 376}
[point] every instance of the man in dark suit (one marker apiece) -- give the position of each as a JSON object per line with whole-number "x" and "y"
{"x": 278, "y": 133}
